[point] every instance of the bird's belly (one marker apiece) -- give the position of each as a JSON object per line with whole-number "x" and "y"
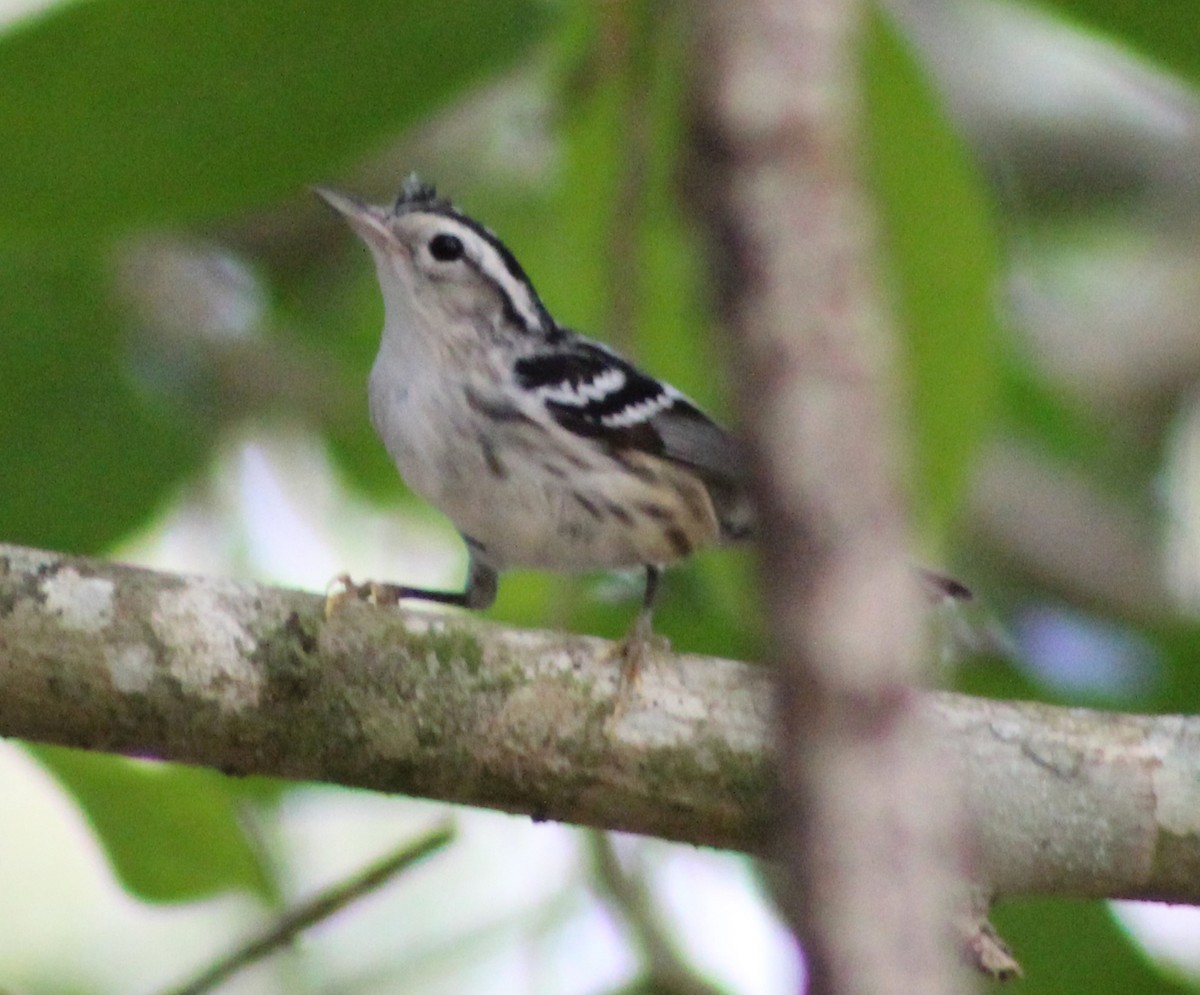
{"x": 529, "y": 507}
{"x": 543, "y": 524}
{"x": 596, "y": 517}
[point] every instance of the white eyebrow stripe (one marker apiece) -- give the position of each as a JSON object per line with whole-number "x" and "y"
{"x": 491, "y": 265}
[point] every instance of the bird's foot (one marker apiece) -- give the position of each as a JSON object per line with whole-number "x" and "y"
{"x": 342, "y": 589}
{"x": 632, "y": 651}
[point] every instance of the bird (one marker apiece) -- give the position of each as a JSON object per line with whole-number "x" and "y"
{"x": 546, "y": 449}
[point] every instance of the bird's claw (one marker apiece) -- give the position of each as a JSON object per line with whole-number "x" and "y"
{"x": 342, "y": 589}
{"x": 633, "y": 650}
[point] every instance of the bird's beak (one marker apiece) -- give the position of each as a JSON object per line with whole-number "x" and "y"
{"x": 367, "y": 220}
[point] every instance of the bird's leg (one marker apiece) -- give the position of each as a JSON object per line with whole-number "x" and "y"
{"x": 478, "y": 594}
{"x": 632, "y": 649}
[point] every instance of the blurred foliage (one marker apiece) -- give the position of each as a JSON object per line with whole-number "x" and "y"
{"x": 941, "y": 244}
{"x": 210, "y": 119}
{"x": 87, "y": 456}
{"x": 1070, "y": 946}
{"x": 170, "y": 113}
{"x": 1166, "y": 32}
{"x": 172, "y": 833}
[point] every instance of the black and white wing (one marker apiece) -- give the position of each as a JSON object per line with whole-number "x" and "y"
{"x": 595, "y": 393}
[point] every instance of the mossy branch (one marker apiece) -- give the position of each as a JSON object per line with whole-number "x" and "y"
{"x": 251, "y": 679}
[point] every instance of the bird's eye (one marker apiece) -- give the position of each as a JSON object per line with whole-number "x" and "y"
{"x": 445, "y": 248}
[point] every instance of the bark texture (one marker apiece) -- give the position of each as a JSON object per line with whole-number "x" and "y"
{"x": 255, "y": 680}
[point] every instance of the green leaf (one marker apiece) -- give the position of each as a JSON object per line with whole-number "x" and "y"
{"x": 171, "y": 833}
{"x": 1167, "y": 31}
{"x": 944, "y": 260}
{"x": 87, "y": 457}
{"x": 1075, "y": 948}
{"x": 123, "y": 112}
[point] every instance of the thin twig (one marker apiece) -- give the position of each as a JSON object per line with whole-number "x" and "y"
{"x": 317, "y": 909}
{"x": 626, "y": 892}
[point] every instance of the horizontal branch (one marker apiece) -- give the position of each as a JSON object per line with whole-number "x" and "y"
{"x": 251, "y": 679}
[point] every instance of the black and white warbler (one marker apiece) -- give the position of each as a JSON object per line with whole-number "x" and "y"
{"x": 544, "y": 448}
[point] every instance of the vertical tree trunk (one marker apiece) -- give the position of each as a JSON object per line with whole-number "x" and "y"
{"x": 868, "y": 817}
